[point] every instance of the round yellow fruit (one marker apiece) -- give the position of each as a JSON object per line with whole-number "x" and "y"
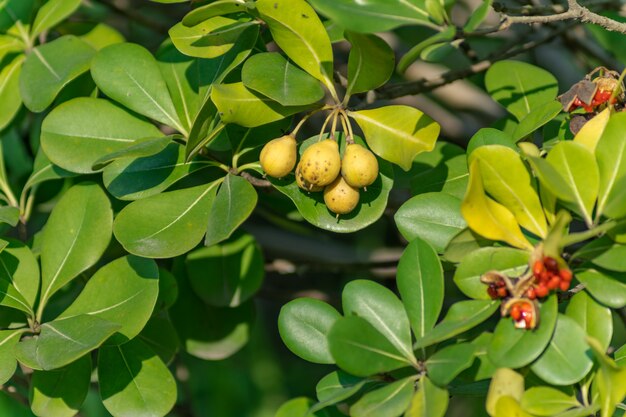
{"x": 321, "y": 163}
{"x": 359, "y": 166}
{"x": 302, "y": 183}
{"x": 278, "y": 156}
{"x": 340, "y": 197}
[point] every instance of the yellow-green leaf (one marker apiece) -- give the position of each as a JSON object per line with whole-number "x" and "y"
{"x": 592, "y": 131}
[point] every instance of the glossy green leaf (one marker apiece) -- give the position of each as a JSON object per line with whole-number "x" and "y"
{"x": 520, "y": 87}
{"x": 382, "y": 309}
{"x": 547, "y": 401}
{"x": 487, "y": 217}
{"x": 53, "y": 13}
{"x": 593, "y": 318}
{"x": 123, "y": 292}
{"x": 336, "y": 387}
{"x": 565, "y": 361}
{"x": 237, "y": 104}
{"x": 175, "y": 226}
{"x": 50, "y": 67}
{"x": 60, "y": 392}
{"x": 509, "y": 407}
{"x": 63, "y": 341}
{"x": 44, "y": 170}
{"x": 610, "y": 152}
{"x": 604, "y": 253}
{"x": 433, "y": 217}
{"x": 609, "y": 385}
{"x": 508, "y": 261}
{"x": 8, "y": 363}
{"x": 505, "y": 383}
{"x": 429, "y": 400}
{"x": 304, "y": 325}
{"x": 141, "y": 177}
{"x": 10, "y": 97}
{"x": 141, "y": 148}
{"x": 489, "y": 136}
{"x": 130, "y": 75}
{"x": 298, "y": 31}
{"x": 607, "y": 287}
{"x": 397, "y": 133}
{"x": 537, "y": 117}
{"x": 76, "y": 235}
{"x": 439, "y": 38}
{"x": 443, "y": 169}
{"x": 478, "y": 16}
{"x": 13, "y": 11}
{"x": 484, "y": 368}
{"x": 79, "y": 132}
{"x": 19, "y": 277}
{"x": 514, "y": 348}
{"x": 620, "y": 356}
{"x": 462, "y": 316}
{"x": 373, "y": 16}
{"x": 421, "y": 285}
{"x": 271, "y": 75}
{"x": 209, "y": 39}
{"x": 101, "y": 35}
{"x": 134, "y": 381}
{"x": 370, "y": 64}
{"x": 160, "y": 335}
{"x": 507, "y": 180}
{"x": 9, "y": 215}
{"x": 216, "y": 8}
{"x": 234, "y": 202}
{"x": 360, "y": 349}
{"x": 447, "y": 363}
{"x": 389, "y": 401}
{"x": 298, "y": 407}
{"x": 227, "y": 274}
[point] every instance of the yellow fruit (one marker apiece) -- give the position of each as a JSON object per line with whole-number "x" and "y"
{"x": 340, "y": 197}
{"x": 321, "y": 163}
{"x": 359, "y": 166}
{"x": 302, "y": 183}
{"x": 278, "y": 156}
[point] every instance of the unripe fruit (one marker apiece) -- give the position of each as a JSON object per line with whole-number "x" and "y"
{"x": 321, "y": 163}
{"x": 359, "y": 166}
{"x": 340, "y": 197}
{"x": 278, "y": 156}
{"x": 302, "y": 183}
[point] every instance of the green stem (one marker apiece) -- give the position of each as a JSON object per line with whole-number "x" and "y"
{"x": 588, "y": 234}
{"x": 252, "y": 165}
{"x": 8, "y": 193}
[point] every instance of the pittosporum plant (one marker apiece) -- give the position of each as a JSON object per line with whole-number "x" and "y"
{"x": 132, "y": 163}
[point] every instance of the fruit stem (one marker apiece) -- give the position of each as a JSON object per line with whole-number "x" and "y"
{"x": 334, "y": 125}
{"x": 618, "y": 90}
{"x": 306, "y": 117}
{"x": 325, "y": 124}
{"x": 346, "y": 122}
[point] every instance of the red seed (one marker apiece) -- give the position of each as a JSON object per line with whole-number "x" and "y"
{"x": 502, "y": 292}
{"x": 551, "y": 264}
{"x": 542, "y": 290}
{"x": 516, "y": 312}
{"x": 531, "y": 294}
{"x": 537, "y": 268}
{"x": 566, "y": 274}
{"x": 564, "y": 285}
{"x": 554, "y": 282}
{"x": 545, "y": 276}
{"x": 491, "y": 290}
{"x": 528, "y": 318}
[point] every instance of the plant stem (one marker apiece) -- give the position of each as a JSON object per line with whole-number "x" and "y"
{"x": 588, "y": 234}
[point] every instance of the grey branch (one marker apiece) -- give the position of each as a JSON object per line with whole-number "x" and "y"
{"x": 574, "y": 12}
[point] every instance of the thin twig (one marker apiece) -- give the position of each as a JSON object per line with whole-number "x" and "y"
{"x": 257, "y": 182}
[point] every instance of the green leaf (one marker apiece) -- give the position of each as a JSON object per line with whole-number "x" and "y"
{"x": 304, "y": 325}
{"x": 604, "y": 253}
{"x": 447, "y": 363}
{"x": 439, "y": 38}
{"x": 505, "y": 383}
{"x": 397, "y": 133}
{"x": 507, "y": 180}
{"x": 520, "y": 87}
{"x": 44, "y": 170}
{"x": 336, "y": 387}
{"x": 429, "y": 400}
{"x": 175, "y": 226}
{"x": 565, "y": 361}
{"x": 389, "y": 401}
{"x": 273, "y": 76}
{"x": 142, "y": 177}
{"x": 360, "y": 349}
{"x": 10, "y": 98}
{"x": 609, "y": 382}
{"x": 79, "y": 132}
{"x": 487, "y": 217}
{"x": 160, "y": 336}
{"x": 374, "y": 15}
{"x": 298, "y": 407}
{"x": 462, "y": 316}
{"x": 217, "y": 8}
{"x": 370, "y": 63}
{"x": 443, "y": 169}
{"x": 130, "y": 75}
{"x": 478, "y": 16}
{"x": 607, "y": 287}
{"x": 237, "y": 104}
{"x": 8, "y": 363}
{"x": 101, "y": 35}
{"x": 53, "y": 13}
{"x": 123, "y": 292}
{"x": 227, "y": 274}
{"x": 547, "y": 401}
{"x": 9, "y": 215}
{"x": 13, "y": 407}
{"x": 134, "y": 381}
{"x": 50, "y": 67}
{"x": 593, "y": 318}
{"x": 610, "y": 152}
{"x": 421, "y": 285}
{"x": 19, "y": 276}
{"x": 537, "y": 117}
{"x": 141, "y": 148}
{"x": 60, "y": 392}
{"x": 382, "y": 309}
{"x": 13, "y": 11}
{"x": 61, "y": 342}
{"x": 298, "y": 31}
{"x": 209, "y": 39}
{"x": 76, "y": 235}
{"x": 508, "y": 261}
{"x": 514, "y": 348}
{"x": 489, "y": 136}
{"x": 234, "y": 202}
{"x": 434, "y": 217}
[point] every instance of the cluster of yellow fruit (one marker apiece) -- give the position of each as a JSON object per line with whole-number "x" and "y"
{"x": 321, "y": 168}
